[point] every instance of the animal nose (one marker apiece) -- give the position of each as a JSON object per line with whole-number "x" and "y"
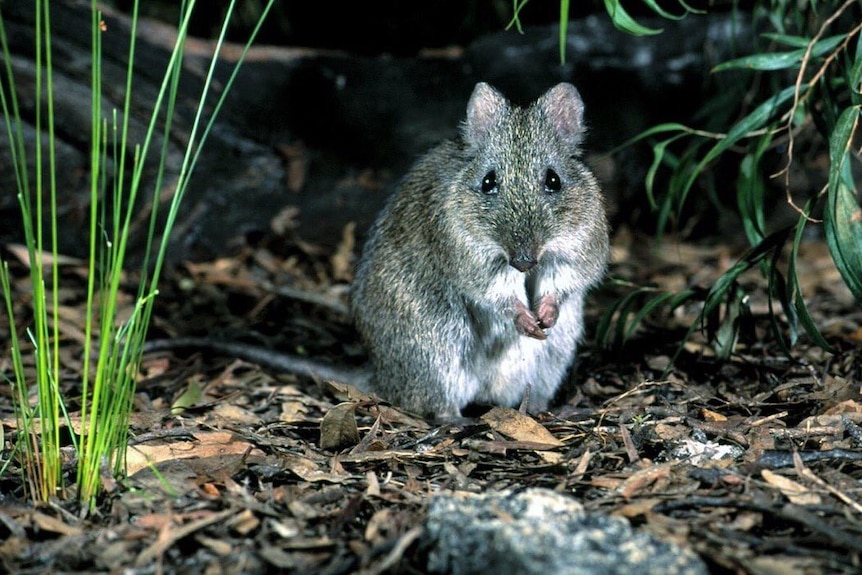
{"x": 523, "y": 262}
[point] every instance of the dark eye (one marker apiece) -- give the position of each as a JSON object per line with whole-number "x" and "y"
{"x": 489, "y": 183}
{"x": 552, "y": 181}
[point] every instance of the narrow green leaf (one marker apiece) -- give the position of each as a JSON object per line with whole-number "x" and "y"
{"x": 626, "y": 23}
{"x": 752, "y": 257}
{"x": 189, "y": 398}
{"x": 777, "y": 289}
{"x": 795, "y": 289}
{"x": 680, "y": 181}
{"x": 728, "y": 332}
{"x": 658, "y": 151}
{"x": 691, "y": 9}
{"x": 659, "y": 129}
{"x": 749, "y": 192}
{"x": 781, "y": 60}
{"x": 603, "y": 328}
{"x": 671, "y": 300}
{"x": 756, "y": 120}
{"x": 855, "y": 74}
{"x": 843, "y": 215}
{"x": 625, "y": 309}
{"x": 788, "y": 39}
{"x": 653, "y": 5}
{"x": 686, "y": 10}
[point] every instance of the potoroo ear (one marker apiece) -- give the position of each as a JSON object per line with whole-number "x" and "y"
{"x": 485, "y": 108}
{"x": 564, "y": 108}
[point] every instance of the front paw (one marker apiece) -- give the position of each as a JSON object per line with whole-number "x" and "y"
{"x": 548, "y": 311}
{"x": 527, "y": 324}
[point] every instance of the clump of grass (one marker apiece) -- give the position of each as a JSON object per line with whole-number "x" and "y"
{"x": 113, "y": 343}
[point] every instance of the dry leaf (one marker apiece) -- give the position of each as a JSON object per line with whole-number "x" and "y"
{"x": 512, "y": 423}
{"x": 216, "y": 445}
{"x": 795, "y": 492}
{"x": 54, "y": 525}
{"x": 845, "y": 407}
{"x": 235, "y": 415}
{"x": 637, "y": 508}
{"x": 22, "y": 254}
{"x": 642, "y": 479}
{"x": 217, "y": 546}
{"x": 245, "y": 522}
{"x": 606, "y": 482}
{"x": 308, "y": 470}
{"x": 710, "y": 415}
{"x": 338, "y": 428}
{"x": 342, "y": 259}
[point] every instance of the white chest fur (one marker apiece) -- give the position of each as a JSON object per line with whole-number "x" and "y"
{"x": 506, "y": 362}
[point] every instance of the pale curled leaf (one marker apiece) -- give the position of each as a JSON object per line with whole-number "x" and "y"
{"x": 514, "y": 424}
{"x": 795, "y": 492}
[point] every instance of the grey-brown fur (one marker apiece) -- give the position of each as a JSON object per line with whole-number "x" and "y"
{"x": 446, "y": 316}
{"x": 439, "y": 300}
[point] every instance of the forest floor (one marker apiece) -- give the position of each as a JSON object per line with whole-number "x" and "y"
{"x": 754, "y": 462}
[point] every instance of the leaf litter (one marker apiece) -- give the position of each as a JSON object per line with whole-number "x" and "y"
{"x": 754, "y": 462}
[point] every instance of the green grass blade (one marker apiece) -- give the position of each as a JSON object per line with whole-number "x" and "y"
{"x": 626, "y": 307}
{"x": 564, "y": 28}
{"x": 190, "y": 161}
{"x": 660, "y": 156}
{"x": 517, "y": 6}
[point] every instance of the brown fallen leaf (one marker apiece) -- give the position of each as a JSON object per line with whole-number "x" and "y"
{"x": 512, "y": 423}
{"x": 343, "y": 258}
{"x": 845, "y": 407}
{"x": 308, "y": 470}
{"x": 643, "y": 478}
{"x": 244, "y": 523}
{"x": 710, "y": 415}
{"x": 168, "y": 536}
{"x": 215, "y": 445}
{"x": 338, "y": 427}
{"x": 22, "y": 254}
{"x": 217, "y": 546}
{"x": 523, "y": 428}
{"x": 606, "y": 482}
{"x": 638, "y": 508}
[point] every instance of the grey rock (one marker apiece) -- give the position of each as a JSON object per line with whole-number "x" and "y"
{"x": 540, "y": 531}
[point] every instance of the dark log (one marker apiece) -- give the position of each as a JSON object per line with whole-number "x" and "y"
{"x": 327, "y": 132}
